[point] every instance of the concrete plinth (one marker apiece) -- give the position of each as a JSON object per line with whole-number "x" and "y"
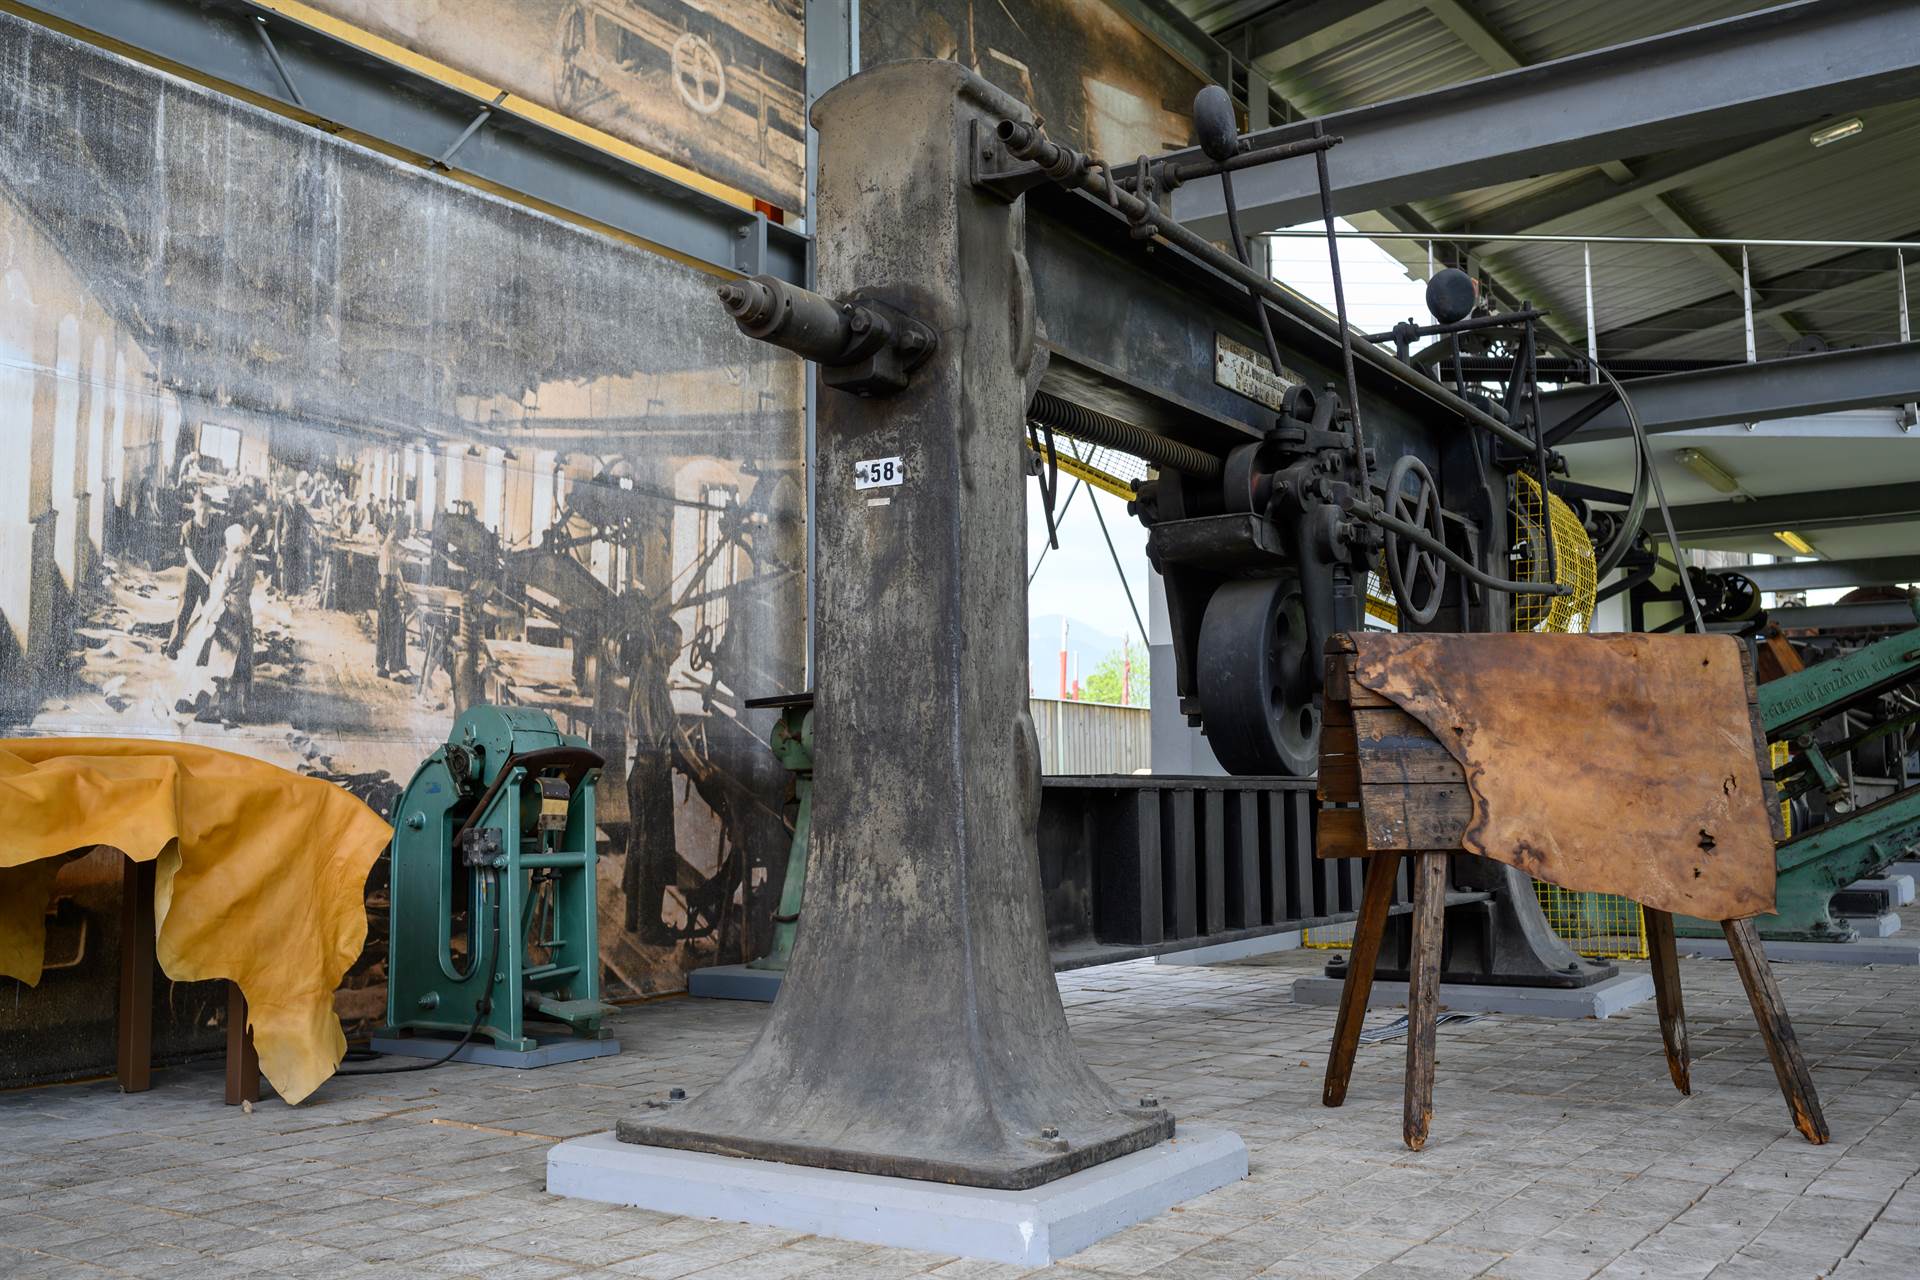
{"x": 552, "y": 1051}
{"x": 734, "y": 982}
{"x": 1601, "y": 1000}
{"x": 1227, "y": 952}
{"x": 1904, "y": 950}
{"x": 1883, "y": 925}
{"x": 1027, "y": 1228}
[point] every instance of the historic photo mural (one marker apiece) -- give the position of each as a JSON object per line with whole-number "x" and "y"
{"x": 306, "y": 450}
{"x": 715, "y": 85}
{"x": 1098, "y": 81}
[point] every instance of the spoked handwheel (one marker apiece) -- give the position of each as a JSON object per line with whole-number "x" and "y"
{"x": 1418, "y": 573}
{"x": 1256, "y": 679}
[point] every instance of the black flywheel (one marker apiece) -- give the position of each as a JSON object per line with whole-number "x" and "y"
{"x": 1256, "y": 679}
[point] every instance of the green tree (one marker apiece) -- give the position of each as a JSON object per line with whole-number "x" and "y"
{"x": 1121, "y": 677}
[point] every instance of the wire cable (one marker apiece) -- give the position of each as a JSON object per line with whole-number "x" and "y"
{"x": 481, "y": 1007}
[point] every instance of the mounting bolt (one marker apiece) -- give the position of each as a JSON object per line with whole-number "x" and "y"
{"x": 676, "y": 1094}
{"x": 1050, "y": 1131}
{"x": 1149, "y": 1102}
{"x": 913, "y": 341}
{"x": 860, "y": 321}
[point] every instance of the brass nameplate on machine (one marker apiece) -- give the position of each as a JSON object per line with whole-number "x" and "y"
{"x": 1241, "y": 369}
{"x": 555, "y": 797}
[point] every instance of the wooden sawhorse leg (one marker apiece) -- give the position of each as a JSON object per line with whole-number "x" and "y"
{"x": 1666, "y": 997}
{"x": 1423, "y": 992}
{"x": 133, "y": 1039}
{"x": 243, "y": 1064}
{"x": 1770, "y": 1011}
{"x": 1375, "y": 897}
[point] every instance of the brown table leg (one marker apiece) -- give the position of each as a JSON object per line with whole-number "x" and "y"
{"x": 1375, "y": 898}
{"x": 134, "y": 1031}
{"x": 1770, "y": 1011}
{"x": 1666, "y": 997}
{"x": 1423, "y": 992}
{"x": 243, "y": 1064}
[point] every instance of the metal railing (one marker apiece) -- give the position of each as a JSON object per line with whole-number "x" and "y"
{"x": 1653, "y": 299}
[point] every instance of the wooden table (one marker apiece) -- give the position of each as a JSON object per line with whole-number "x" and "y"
{"x": 134, "y": 1027}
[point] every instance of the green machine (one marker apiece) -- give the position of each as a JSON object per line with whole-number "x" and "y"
{"x": 791, "y": 740}
{"x": 492, "y": 899}
{"x": 792, "y": 743}
{"x": 1818, "y": 713}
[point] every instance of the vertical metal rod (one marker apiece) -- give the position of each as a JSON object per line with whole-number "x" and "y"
{"x": 1593, "y": 328}
{"x": 1746, "y": 300}
{"x": 273, "y": 55}
{"x": 1340, "y": 314}
{"x": 1429, "y": 259}
{"x": 1909, "y": 412}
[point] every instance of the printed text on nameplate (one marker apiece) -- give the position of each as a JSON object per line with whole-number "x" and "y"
{"x": 1239, "y": 368}
{"x": 878, "y": 473}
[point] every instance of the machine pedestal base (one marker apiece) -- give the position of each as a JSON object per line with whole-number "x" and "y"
{"x": 1902, "y": 949}
{"x": 552, "y": 1051}
{"x": 1602, "y": 999}
{"x": 735, "y": 982}
{"x": 1027, "y": 1228}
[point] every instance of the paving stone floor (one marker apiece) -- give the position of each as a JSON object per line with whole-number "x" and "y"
{"x": 1559, "y": 1151}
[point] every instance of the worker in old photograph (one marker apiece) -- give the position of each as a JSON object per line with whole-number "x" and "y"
{"x": 215, "y": 663}
{"x": 390, "y": 615}
{"x": 200, "y": 548}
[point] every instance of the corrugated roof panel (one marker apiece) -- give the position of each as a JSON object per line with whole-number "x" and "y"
{"x": 1411, "y": 54}
{"x": 1542, "y": 30}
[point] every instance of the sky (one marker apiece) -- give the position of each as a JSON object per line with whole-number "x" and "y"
{"x": 1080, "y": 579}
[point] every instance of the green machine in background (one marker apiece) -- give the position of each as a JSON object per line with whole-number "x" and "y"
{"x": 492, "y": 901}
{"x": 792, "y": 742}
{"x": 1828, "y": 714}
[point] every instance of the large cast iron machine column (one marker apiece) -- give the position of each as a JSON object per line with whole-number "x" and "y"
{"x": 918, "y": 1031}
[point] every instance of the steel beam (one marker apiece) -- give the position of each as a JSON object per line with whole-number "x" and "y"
{"x": 1764, "y": 70}
{"x": 1835, "y": 617}
{"x": 319, "y": 76}
{"x": 1791, "y": 387}
{"x": 1800, "y": 512}
{"x": 1810, "y": 575}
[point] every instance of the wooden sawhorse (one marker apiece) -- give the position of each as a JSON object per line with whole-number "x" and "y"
{"x": 1412, "y": 800}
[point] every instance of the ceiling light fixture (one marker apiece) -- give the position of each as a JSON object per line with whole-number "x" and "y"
{"x": 1836, "y": 132}
{"x": 1794, "y": 540}
{"x": 1709, "y": 470}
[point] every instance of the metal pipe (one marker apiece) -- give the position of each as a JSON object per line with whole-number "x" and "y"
{"x": 1414, "y": 533}
{"x": 1174, "y": 173}
{"x": 1070, "y": 168}
{"x": 1097, "y": 428}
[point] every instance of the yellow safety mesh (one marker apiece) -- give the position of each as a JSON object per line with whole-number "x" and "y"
{"x": 1573, "y": 562}
{"x": 1109, "y": 469}
{"x": 1778, "y": 753}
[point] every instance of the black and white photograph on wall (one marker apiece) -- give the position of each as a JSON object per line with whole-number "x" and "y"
{"x": 304, "y": 469}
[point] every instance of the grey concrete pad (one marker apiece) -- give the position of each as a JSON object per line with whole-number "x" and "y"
{"x": 1899, "y": 886}
{"x": 1601, "y": 1000}
{"x": 1227, "y": 952}
{"x": 1027, "y": 1228}
{"x": 553, "y": 1050}
{"x": 1884, "y": 925}
{"x": 1896, "y": 950}
{"x": 734, "y": 982}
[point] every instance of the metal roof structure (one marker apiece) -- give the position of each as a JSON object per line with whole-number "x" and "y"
{"x": 1649, "y": 302}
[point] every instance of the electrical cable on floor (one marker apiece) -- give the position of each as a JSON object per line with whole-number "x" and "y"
{"x": 481, "y": 1007}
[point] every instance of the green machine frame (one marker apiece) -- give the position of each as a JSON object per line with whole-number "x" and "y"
{"x": 792, "y": 743}
{"x": 1816, "y": 864}
{"x": 492, "y": 899}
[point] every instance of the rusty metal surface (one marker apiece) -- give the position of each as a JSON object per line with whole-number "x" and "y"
{"x": 1614, "y": 764}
